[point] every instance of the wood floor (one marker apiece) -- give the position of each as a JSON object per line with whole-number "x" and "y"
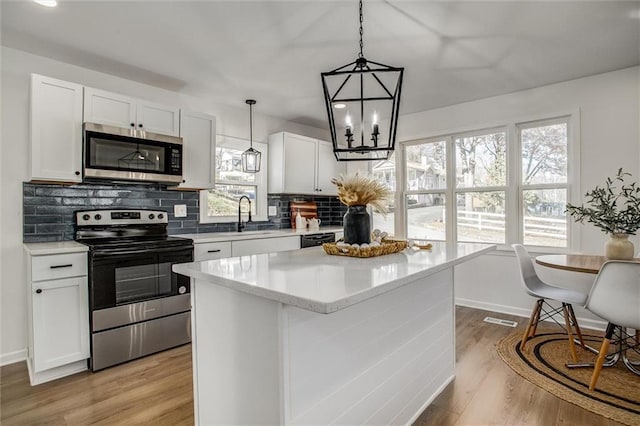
{"x": 157, "y": 390}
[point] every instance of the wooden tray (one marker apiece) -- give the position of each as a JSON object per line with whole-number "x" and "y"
{"x": 386, "y": 247}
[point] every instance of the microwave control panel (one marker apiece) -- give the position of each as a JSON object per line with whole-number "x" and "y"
{"x": 176, "y": 161}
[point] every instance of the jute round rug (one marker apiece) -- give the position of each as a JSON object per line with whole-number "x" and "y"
{"x": 617, "y": 393}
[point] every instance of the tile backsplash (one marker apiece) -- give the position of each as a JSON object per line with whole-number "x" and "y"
{"x": 48, "y": 208}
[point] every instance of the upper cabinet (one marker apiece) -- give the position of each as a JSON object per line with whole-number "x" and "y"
{"x": 56, "y": 130}
{"x": 198, "y": 132}
{"x": 301, "y": 165}
{"x": 113, "y": 109}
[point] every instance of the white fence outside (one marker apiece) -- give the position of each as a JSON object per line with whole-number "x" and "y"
{"x": 533, "y": 226}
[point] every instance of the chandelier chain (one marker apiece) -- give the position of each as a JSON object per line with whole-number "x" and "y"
{"x": 361, "y": 55}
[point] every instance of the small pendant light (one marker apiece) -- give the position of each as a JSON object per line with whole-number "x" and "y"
{"x": 251, "y": 157}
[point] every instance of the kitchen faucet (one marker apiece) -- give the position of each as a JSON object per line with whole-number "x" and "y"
{"x": 240, "y": 224}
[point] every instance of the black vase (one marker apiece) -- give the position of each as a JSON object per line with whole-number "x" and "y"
{"x": 357, "y": 225}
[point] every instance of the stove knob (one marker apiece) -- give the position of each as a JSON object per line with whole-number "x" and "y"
{"x": 151, "y": 216}
{"x": 86, "y": 217}
{"x": 98, "y": 217}
{"x": 182, "y": 289}
{"x": 160, "y": 216}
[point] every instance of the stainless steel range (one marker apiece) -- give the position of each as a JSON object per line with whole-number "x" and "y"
{"x": 138, "y": 306}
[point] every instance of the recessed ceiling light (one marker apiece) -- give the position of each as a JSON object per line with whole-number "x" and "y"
{"x": 47, "y": 3}
{"x": 339, "y": 106}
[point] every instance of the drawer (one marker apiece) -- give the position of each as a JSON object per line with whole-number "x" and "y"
{"x": 58, "y": 266}
{"x": 265, "y": 245}
{"x": 210, "y": 251}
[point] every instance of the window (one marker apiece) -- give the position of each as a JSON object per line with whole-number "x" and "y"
{"x": 385, "y": 171}
{"x": 501, "y": 185}
{"x": 544, "y": 182}
{"x": 426, "y": 182}
{"x": 221, "y": 203}
{"x": 481, "y": 187}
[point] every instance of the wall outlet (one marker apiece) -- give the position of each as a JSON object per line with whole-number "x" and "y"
{"x": 273, "y": 211}
{"x": 180, "y": 210}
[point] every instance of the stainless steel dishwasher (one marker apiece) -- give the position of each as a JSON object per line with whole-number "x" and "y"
{"x": 313, "y": 240}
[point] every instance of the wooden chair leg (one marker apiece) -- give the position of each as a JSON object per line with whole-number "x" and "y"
{"x": 535, "y": 313}
{"x": 575, "y": 324}
{"x": 537, "y": 319}
{"x": 567, "y": 321}
{"x": 604, "y": 349}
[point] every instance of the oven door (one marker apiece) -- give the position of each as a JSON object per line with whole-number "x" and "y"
{"x": 135, "y": 276}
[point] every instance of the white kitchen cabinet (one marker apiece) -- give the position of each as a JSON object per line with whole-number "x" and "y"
{"x": 58, "y": 305}
{"x": 264, "y": 245}
{"x": 301, "y": 165}
{"x": 114, "y": 109}
{"x": 198, "y": 132}
{"x": 211, "y": 251}
{"x": 56, "y": 130}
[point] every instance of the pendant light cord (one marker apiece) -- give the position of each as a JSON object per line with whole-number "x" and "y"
{"x": 251, "y": 103}
{"x": 361, "y": 55}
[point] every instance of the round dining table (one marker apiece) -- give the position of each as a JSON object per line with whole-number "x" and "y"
{"x": 586, "y": 263}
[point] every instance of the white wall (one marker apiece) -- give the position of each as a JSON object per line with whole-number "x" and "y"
{"x": 16, "y": 68}
{"x": 609, "y": 129}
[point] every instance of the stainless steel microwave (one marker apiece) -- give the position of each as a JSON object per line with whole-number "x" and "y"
{"x": 130, "y": 154}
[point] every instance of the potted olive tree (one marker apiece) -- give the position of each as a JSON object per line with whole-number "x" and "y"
{"x": 615, "y": 209}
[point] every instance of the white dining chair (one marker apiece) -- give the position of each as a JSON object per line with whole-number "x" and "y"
{"x": 615, "y": 297}
{"x": 542, "y": 310}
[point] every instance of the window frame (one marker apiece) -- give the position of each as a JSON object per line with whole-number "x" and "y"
{"x": 569, "y": 186}
{"x": 260, "y": 183}
{"x": 514, "y": 214}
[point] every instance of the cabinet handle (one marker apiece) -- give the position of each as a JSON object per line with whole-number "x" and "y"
{"x": 214, "y": 251}
{"x": 140, "y": 125}
{"x": 77, "y": 173}
{"x": 61, "y": 266}
{"x": 39, "y": 291}
{"x": 133, "y": 124}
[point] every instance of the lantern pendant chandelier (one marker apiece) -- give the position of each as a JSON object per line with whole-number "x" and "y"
{"x": 251, "y": 157}
{"x": 362, "y": 100}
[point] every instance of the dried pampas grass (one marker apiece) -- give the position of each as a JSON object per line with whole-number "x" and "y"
{"x": 359, "y": 190}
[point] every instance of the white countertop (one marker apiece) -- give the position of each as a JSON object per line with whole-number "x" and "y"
{"x": 57, "y": 247}
{"x": 313, "y": 280}
{"x": 213, "y": 237}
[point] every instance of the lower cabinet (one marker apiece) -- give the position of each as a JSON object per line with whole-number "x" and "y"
{"x": 58, "y": 316}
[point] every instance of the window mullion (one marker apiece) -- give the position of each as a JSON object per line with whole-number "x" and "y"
{"x": 450, "y": 195}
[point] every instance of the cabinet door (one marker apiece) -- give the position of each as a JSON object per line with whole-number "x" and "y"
{"x": 56, "y": 130}
{"x": 111, "y": 109}
{"x": 299, "y": 164}
{"x": 156, "y": 118}
{"x": 198, "y": 132}
{"x": 328, "y": 168}
{"x": 60, "y": 322}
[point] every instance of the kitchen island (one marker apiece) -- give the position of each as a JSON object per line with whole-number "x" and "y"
{"x": 301, "y": 337}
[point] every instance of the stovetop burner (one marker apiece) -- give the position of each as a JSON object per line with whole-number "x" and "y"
{"x": 112, "y": 231}
{"x": 114, "y": 245}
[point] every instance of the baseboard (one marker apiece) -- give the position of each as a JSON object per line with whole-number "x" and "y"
{"x": 13, "y": 357}
{"x": 585, "y": 323}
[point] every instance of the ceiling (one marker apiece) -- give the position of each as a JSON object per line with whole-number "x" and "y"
{"x": 274, "y": 51}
